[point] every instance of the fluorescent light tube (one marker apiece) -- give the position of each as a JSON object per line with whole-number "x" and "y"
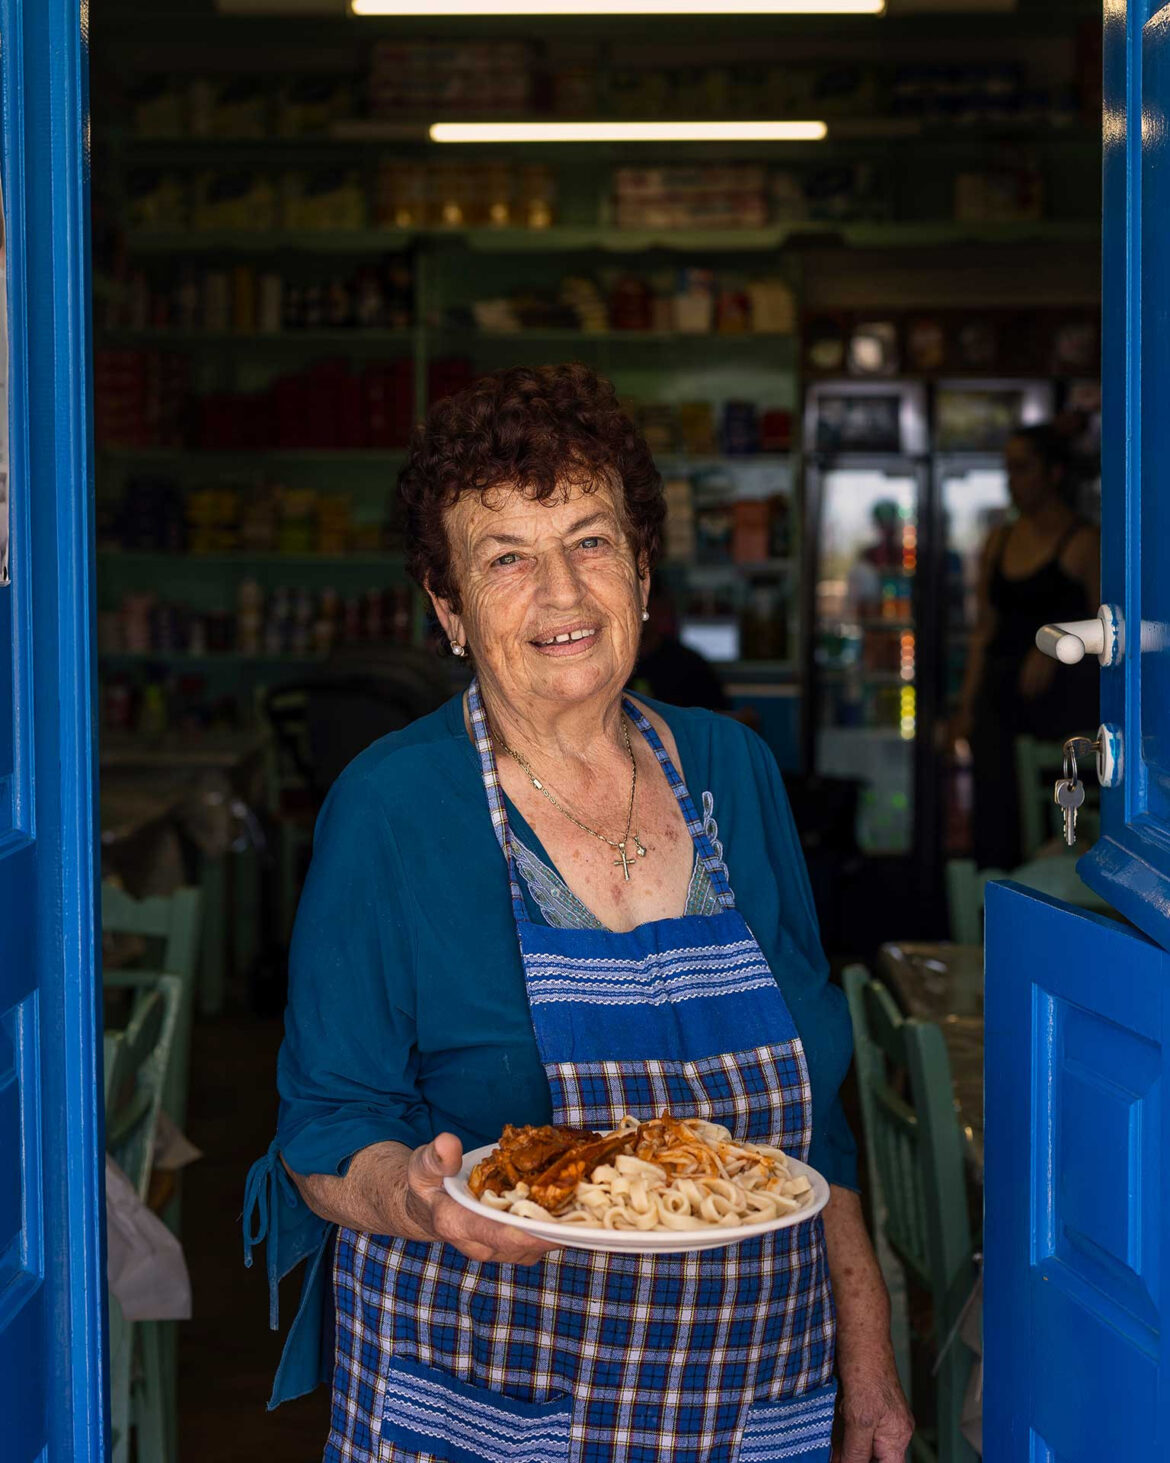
{"x": 468, "y": 8}
{"x": 628, "y": 132}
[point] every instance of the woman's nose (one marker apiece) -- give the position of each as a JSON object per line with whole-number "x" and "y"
{"x": 559, "y": 583}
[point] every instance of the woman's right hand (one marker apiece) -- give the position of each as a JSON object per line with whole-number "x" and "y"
{"x": 437, "y": 1214}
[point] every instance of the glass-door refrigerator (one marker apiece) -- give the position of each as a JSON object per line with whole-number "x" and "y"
{"x": 865, "y": 485}
{"x": 973, "y": 420}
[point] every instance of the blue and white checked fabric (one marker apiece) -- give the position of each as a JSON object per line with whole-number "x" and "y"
{"x": 720, "y": 1356}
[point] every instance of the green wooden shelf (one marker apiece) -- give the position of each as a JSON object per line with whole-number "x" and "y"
{"x": 255, "y": 457}
{"x": 149, "y": 557}
{"x": 214, "y": 657}
{"x": 601, "y": 238}
{"x": 372, "y": 340}
{"x": 623, "y": 337}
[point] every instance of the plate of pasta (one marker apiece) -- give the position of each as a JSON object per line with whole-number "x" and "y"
{"x": 658, "y": 1187}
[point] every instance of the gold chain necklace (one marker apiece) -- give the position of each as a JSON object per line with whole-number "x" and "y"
{"x": 624, "y": 858}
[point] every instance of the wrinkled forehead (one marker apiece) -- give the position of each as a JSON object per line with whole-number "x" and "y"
{"x": 525, "y": 511}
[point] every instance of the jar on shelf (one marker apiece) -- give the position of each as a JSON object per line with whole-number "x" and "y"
{"x": 537, "y": 196}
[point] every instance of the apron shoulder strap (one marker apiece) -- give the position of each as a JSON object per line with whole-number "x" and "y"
{"x": 710, "y": 860}
{"x": 495, "y": 794}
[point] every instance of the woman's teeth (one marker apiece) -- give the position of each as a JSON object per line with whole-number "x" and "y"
{"x": 564, "y": 639}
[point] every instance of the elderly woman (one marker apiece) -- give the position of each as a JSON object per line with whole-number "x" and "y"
{"x": 517, "y": 913}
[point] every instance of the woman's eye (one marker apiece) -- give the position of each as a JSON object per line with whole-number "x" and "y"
{"x": 505, "y": 560}
{"x": 591, "y": 543}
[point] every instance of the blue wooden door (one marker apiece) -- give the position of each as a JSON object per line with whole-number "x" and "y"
{"x": 52, "y": 1264}
{"x": 1077, "y": 1204}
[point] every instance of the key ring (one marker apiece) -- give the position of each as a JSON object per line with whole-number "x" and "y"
{"x": 1070, "y": 755}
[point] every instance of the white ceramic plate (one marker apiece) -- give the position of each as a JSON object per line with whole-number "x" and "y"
{"x": 634, "y": 1241}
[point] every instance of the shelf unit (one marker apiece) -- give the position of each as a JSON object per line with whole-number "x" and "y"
{"x": 454, "y": 265}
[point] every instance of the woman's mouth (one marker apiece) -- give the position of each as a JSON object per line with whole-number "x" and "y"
{"x": 573, "y": 640}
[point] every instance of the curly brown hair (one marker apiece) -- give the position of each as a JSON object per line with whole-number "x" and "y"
{"x": 536, "y": 429}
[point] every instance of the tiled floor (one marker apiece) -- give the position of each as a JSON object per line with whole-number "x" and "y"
{"x": 227, "y": 1354}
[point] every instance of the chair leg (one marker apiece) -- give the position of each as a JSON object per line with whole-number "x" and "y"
{"x": 121, "y": 1342}
{"x": 151, "y": 1409}
{"x": 213, "y": 879}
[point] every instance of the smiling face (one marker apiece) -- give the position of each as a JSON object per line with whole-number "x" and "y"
{"x": 550, "y": 598}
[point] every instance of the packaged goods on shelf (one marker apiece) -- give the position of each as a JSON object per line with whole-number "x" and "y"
{"x": 984, "y": 342}
{"x": 694, "y": 301}
{"x": 158, "y": 107}
{"x": 717, "y": 196}
{"x": 739, "y": 431}
{"x": 687, "y": 301}
{"x": 308, "y": 106}
{"x": 140, "y": 398}
{"x": 327, "y": 200}
{"x": 236, "y": 107}
{"x": 236, "y": 202}
{"x": 980, "y": 95}
{"x": 848, "y": 192}
{"x": 471, "y": 77}
{"x": 696, "y": 428}
{"x": 287, "y": 621}
{"x": 679, "y": 533}
{"x": 1000, "y": 195}
{"x": 157, "y": 202}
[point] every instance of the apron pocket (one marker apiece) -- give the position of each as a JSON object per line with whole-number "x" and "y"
{"x": 428, "y": 1411}
{"x": 799, "y": 1429}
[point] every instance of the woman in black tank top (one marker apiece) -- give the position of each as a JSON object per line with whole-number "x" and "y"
{"x": 1040, "y": 568}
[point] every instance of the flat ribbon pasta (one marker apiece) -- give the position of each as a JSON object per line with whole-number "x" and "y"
{"x": 684, "y": 1174}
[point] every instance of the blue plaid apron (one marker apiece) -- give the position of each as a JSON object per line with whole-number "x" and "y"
{"x": 719, "y": 1356}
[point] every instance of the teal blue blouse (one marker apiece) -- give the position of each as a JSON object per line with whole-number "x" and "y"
{"x": 407, "y": 1013}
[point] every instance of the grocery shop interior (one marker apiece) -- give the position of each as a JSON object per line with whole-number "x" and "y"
{"x": 861, "y": 346}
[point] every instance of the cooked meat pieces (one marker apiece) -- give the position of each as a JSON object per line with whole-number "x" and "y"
{"x": 523, "y": 1153}
{"x": 557, "y": 1185}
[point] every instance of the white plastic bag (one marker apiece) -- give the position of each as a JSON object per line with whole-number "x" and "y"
{"x": 145, "y": 1264}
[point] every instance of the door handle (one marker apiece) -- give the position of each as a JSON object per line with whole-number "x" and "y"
{"x": 1071, "y": 640}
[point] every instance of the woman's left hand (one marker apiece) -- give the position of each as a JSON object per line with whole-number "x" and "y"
{"x": 874, "y": 1424}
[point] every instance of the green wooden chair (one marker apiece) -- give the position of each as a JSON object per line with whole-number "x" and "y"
{"x": 1055, "y": 875}
{"x": 170, "y": 923}
{"x": 915, "y": 1148}
{"x": 966, "y": 888}
{"x": 137, "y": 1061}
{"x": 171, "y": 926}
{"x": 1038, "y": 765}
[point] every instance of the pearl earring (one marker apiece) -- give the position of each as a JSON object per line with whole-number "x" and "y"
{"x": 457, "y": 649}
{"x": 645, "y": 616}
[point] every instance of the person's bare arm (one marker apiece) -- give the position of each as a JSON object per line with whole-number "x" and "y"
{"x": 391, "y": 1189}
{"x": 1087, "y": 564}
{"x": 874, "y": 1420}
{"x": 981, "y": 637}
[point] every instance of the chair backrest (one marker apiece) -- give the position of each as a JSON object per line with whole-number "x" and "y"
{"x": 1038, "y": 766}
{"x": 966, "y": 890}
{"x": 171, "y": 922}
{"x": 915, "y": 1145}
{"x": 137, "y": 1061}
{"x": 172, "y": 919}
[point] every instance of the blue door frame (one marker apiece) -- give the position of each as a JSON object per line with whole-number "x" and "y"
{"x": 52, "y": 1187}
{"x": 1077, "y": 1010}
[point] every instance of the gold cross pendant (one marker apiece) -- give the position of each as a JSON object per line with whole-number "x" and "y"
{"x": 624, "y": 860}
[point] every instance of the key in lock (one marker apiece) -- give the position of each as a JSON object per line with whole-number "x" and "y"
{"x": 1069, "y": 792}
